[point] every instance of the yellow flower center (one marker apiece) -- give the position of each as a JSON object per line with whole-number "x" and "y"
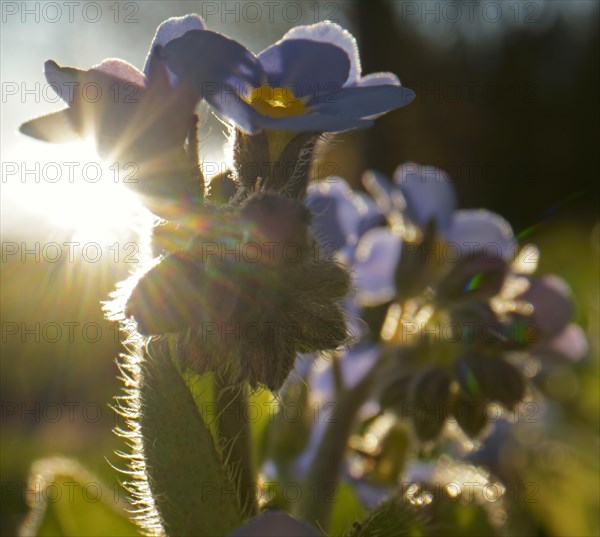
{"x": 277, "y": 103}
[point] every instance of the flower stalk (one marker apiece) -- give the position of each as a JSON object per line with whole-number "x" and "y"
{"x": 187, "y": 485}
{"x": 324, "y": 473}
{"x": 235, "y": 438}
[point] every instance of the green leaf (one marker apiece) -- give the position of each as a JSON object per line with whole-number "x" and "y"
{"x": 190, "y": 489}
{"x": 68, "y": 501}
{"x": 202, "y": 388}
{"x": 346, "y": 511}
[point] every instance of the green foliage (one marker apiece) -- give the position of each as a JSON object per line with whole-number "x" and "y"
{"x": 346, "y": 511}
{"x": 561, "y": 484}
{"x": 67, "y": 501}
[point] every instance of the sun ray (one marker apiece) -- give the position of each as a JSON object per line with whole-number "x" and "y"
{"x": 69, "y": 187}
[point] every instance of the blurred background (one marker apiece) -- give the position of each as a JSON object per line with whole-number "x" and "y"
{"x": 507, "y": 103}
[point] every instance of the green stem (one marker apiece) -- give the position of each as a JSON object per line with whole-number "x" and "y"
{"x": 183, "y": 480}
{"x": 323, "y": 475}
{"x": 235, "y": 439}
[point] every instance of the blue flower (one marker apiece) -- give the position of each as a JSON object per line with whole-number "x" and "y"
{"x": 420, "y": 201}
{"x": 127, "y": 111}
{"x": 310, "y": 80}
{"x": 340, "y": 216}
{"x": 538, "y": 313}
{"x": 136, "y": 117}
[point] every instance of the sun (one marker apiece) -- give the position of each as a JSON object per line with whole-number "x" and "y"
{"x": 71, "y": 188}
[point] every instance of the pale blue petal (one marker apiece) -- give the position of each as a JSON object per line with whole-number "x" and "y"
{"x": 329, "y": 32}
{"x": 121, "y": 69}
{"x": 428, "y": 192}
{"x": 379, "y": 79}
{"x": 64, "y": 81}
{"x": 370, "y": 215}
{"x": 552, "y": 302}
{"x": 571, "y": 343}
{"x": 376, "y": 259}
{"x": 213, "y": 63}
{"x": 232, "y": 107}
{"x": 171, "y": 29}
{"x": 479, "y": 230}
{"x": 382, "y": 191}
{"x": 308, "y": 68}
{"x": 315, "y": 122}
{"x": 335, "y": 216}
{"x": 365, "y": 101}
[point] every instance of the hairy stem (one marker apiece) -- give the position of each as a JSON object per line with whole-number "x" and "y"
{"x": 235, "y": 439}
{"x": 187, "y": 484}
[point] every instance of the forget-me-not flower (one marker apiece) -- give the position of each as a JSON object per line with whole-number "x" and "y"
{"x": 140, "y": 119}
{"x": 310, "y": 80}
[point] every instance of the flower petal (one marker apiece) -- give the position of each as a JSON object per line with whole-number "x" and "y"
{"x": 376, "y": 260}
{"x": 64, "y": 80}
{"x": 428, "y": 192}
{"x": 58, "y": 127}
{"x": 366, "y": 101}
{"x": 171, "y": 29}
{"x": 335, "y": 216}
{"x": 479, "y": 230}
{"x": 382, "y": 191}
{"x": 552, "y": 303}
{"x": 314, "y": 122}
{"x": 370, "y": 215}
{"x": 102, "y": 104}
{"x": 212, "y": 62}
{"x": 329, "y": 32}
{"x": 379, "y": 79}
{"x": 570, "y": 343}
{"x": 308, "y": 68}
{"x": 231, "y": 107}
{"x": 122, "y": 70}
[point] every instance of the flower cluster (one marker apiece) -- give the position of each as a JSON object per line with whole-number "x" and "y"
{"x": 446, "y": 299}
